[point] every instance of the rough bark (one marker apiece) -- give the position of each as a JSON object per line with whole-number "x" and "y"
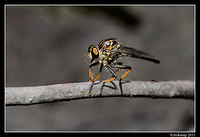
{"x": 72, "y": 91}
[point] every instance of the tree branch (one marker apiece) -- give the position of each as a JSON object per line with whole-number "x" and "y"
{"x": 71, "y": 91}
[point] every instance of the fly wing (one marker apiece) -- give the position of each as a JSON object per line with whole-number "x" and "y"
{"x": 134, "y": 53}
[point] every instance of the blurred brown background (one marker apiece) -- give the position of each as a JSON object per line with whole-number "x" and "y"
{"x": 48, "y": 45}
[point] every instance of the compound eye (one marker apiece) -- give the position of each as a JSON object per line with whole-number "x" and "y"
{"x": 95, "y": 51}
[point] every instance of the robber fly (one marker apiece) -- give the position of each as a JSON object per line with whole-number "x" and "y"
{"x": 106, "y": 55}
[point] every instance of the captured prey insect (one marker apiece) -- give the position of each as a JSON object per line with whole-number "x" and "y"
{"x": 106, "y": 55}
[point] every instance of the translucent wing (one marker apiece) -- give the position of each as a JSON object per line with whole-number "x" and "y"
{"x": 134, "y": 53}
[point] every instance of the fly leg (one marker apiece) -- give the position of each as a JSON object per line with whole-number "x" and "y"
{"x": 90, "y": 70}
{"x": 89, "y": 92}
{"x": 114, "y": 86}
{"x": 119, "y": 66}
{"x": 109, "y": 80}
